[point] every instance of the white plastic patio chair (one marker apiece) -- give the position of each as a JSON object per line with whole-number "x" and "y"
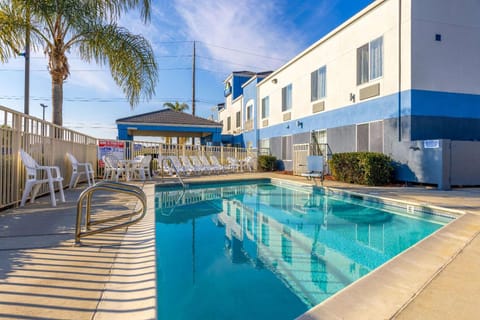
{"x": 234, "y": 164}
{"x": 36, "y": 177}
{"x": 79, "y": 169}
{"x": 143, "y": 167}
{"x": 113, "y": 169}
{"x": 248, "y": 163}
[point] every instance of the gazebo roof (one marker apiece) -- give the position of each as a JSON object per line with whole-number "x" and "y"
{"x": 169, "y": 117}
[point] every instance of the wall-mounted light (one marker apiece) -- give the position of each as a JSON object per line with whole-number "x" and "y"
{"x": 352, "y": 97}
{"x": 288, "y": 126}
{"x": 299, "y": 124}
{"x": 274, "y": 80}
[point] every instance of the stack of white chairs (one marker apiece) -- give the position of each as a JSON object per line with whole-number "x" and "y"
{"x": 37, "y": 175}
{"x": 79, "y": 169}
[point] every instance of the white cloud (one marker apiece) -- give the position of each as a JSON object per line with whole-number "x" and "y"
{"x": 248, "y": 26}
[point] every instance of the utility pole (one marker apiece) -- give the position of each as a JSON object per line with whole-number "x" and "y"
{"x": 26, "y": 106}
{"x": 193, "y": 80}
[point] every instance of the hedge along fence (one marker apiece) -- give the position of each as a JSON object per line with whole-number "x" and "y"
{"x": 369, "y": 168}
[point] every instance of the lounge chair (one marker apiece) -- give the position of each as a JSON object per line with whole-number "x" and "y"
{"x": 35, "y": 180}
{"x": 78, "y": 169}
{"x": 314, "y": 167}
{"x": 203, "y": 168}
{"x": 214, "y": 168}
{"x": 179, "y": 167}
{"x": 215, "y": 162}
{"x": 189, "y": 166}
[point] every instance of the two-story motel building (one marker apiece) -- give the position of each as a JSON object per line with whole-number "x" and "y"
{"x": 400, "y": 77}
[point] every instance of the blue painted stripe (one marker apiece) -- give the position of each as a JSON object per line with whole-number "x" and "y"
{"x": 414, "y": 102}
{"x": 445, "y": 104}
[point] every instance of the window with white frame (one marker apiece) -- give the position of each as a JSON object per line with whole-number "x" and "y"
{"x": 287, "y": 98}
{"x": 229, "y": 123}
{"x": 265, "y": 107}
{"x": 238, "y": 120}
{"x": 249, "y": 112}
{"x": 318, "y": 83}
{"x": 370, "y": 61}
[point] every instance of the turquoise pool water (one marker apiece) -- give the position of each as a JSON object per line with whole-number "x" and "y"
{"x": 264, "y": 251}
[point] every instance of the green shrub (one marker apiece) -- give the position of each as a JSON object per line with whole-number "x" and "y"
{"x": 267, "y": 163}
{"x": 369, "y": 168}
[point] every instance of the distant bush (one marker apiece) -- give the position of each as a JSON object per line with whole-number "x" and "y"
{"x": 368, "y": 168}
{"x": 267, "y": 163}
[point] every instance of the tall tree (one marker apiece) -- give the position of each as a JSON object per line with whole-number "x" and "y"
{"x": 177, "y": 106}
{"x": 88, "y": 27}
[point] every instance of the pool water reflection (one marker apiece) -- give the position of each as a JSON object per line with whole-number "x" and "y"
{"x": 256, "y": 251}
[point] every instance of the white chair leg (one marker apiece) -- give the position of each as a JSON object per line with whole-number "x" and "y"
{"x": 35, "y": 190}
{"x": 26, "y": 192}
{"x": 60, "y": 188}
{"x": 52, "y": 193}
{"x": 73, "y": 180}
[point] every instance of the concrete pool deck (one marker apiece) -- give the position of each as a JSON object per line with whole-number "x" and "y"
{"x": 43, "y": 275}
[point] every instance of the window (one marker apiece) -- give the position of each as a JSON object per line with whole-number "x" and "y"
{"x": 287, "y": 148}
{"x": 238, "y": 119}
{"x": 229, "y": 123}
{"x": 249, "y": 112}
{"x": 318, "y": 83}
{"x": 370, "y": 61}
{"x": 319, "y": 142}
{"x": 287, "y": 98}
{"x": 265, "y": 107}
{"x": 370, "y": 136}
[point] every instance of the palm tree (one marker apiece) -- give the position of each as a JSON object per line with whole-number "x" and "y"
{"x": 88, "y": 27}
{"x": 179, "y": 107}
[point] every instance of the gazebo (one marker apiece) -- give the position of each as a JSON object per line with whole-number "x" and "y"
{"x": 169, "y": 123}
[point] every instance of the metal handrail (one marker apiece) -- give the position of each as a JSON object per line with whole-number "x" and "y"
{"x": 174, "y": 167}
{"x": 107, "y": 186}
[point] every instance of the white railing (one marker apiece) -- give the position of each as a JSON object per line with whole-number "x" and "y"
{"x": 45, "y": 142}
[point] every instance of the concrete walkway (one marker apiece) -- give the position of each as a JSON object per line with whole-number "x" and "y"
{"x": 43, "y": 275}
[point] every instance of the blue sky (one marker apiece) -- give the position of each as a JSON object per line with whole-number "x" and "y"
{"x": 230, "y": 36}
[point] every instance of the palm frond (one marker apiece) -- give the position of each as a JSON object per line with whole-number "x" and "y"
{"x": 130, "y": 57}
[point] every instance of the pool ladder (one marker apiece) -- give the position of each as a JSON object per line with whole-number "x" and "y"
{"x": 175, "y": 168}
{"x": 109, "y": 186}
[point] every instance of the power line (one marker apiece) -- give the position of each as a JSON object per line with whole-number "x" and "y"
{"x": 230, "y": 62}
{"x": 242, "y": 51}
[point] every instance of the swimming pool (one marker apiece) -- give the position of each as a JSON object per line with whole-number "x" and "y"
{"x": 261, "y": 250}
